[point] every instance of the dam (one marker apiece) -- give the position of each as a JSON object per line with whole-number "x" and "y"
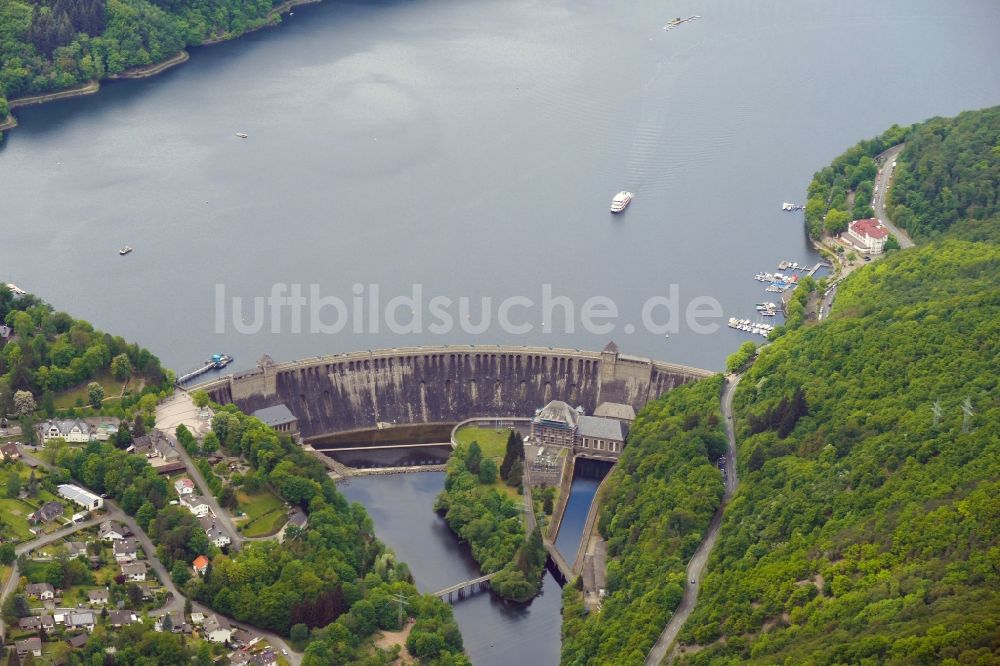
{"x": 380, "y": 389}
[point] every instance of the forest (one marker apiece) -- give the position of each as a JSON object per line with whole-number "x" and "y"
{"x": 49, "y": 45}
{"x": 489, "y": 520}
{"x": 868, "y": 531}
{"x": 659, "y": 500}
{"x": 948, "y": 178}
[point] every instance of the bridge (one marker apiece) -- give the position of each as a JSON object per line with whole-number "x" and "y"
{"x": 443, "y": 385}
{"x": 459, "y": 590}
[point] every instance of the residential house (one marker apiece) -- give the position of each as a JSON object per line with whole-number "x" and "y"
{"x": 78, "y": 641}
{"x": 177, "y": 623}
{"x": 244, "y": 657}
{"x": 867, "y": 235}
{"x": 46, "y": 513}
{"x": 214, "y": 532}
{"x": 184, "y": 486}
{"x": 80, "y": 496}
{"x": 105, "y": 430}
{"x": 197, "y": 618}
{"x": 9, "y": 452}
{"x": 135, "y": 571}
{"x": 217, "y": 629}
{"x": 32, "y": 646}
{"x": 80, "y": 620}
{"x": 200, "y": 565}
{"x": 126, "y": 550}
{"x": 5, "y": 331}
{"x": 75, "y": 549}
{"x": 41, "y": 591}
{"x": 72, "y": 430}
{"x": 36, "y": 622}
{"x": 98, "y": 597}
{"x": 122, "y": 618}
{"x": 112, "y": 531}
{"x": 196, "y": 505}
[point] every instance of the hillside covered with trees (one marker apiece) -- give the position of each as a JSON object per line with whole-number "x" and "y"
{"x": 48, "y": 352}
{"x": 659, "y": 501}
{"x": 49, "y": 45}
{"x": 948, "y": 178}
{"x": 869, "y": 531}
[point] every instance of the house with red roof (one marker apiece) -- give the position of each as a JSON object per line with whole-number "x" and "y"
{"x": 200, "y": 565}
{"x": 866, "y": 235}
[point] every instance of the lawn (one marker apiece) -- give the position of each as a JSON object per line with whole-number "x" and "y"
{"x": 265, "y": 513}
{"x": 492, "y": 442}
{"x": 66, "y": 399}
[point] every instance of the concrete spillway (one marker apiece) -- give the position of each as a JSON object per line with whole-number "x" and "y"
{"x": 373, "y": 389}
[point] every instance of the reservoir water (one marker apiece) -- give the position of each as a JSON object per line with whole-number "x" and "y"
{"x": 471, "y": 149}
{"x": 495, "y": 632}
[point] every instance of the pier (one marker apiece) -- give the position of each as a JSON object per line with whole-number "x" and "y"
{"x": 217, "y": 362}
{"x": 459, "y": 591}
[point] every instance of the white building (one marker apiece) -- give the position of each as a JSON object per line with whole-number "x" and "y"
{"x": 80, "y": 496}
{"x": 72, "y": 430}
{"x": 214, "y": 532}
{"x": 184, "y": 486}
{"x": 867, "y": 235}
{"x": 136, "y": 571}
{"x": 217, "y": 629}
{"x": 196, "y": 505}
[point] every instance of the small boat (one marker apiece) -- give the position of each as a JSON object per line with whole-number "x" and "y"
{"x": 621, "y": 201}
{"x": 242, "y": 135}
{"x": 125, "y": 250}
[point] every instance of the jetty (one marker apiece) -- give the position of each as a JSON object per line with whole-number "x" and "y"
{"x": 217, "y": 362}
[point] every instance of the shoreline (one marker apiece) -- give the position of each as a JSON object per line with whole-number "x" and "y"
{"x": 144, "y": 71}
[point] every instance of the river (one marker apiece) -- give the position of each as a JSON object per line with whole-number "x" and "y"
{"x": 473, "y": 149}
{"x": 495, "y": 631}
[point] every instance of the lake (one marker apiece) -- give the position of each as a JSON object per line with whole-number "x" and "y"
{"x": 471, "y": 149}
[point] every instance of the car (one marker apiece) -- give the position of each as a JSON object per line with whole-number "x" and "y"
{"x": 868, "y": 258}
{"x": 284, "y": 652}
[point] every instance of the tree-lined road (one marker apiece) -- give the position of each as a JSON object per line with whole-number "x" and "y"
{"x": 696, "y": 567}
{"x": 882, "y": 183}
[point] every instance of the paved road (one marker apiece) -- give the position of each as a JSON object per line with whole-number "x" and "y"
{"x": 696, "y": 567}
{"x": 882, "y": 183}
{"x": 170, "y": 413}
{"x": 176, "y": 599}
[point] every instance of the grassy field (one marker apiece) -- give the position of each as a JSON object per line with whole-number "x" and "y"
{"x": 265, "y": 513}
{"x": 492, "y": 442}
{"x": 66, "y": 399}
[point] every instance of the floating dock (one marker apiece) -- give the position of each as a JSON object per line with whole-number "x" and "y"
{"x": 217, "y": 362}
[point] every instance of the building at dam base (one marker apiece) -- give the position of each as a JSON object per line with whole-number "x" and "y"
{"x": 559, "y": 425}
{"x": 437, "y": 385}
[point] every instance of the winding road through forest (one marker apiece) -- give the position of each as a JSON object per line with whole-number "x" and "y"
{"x": 696, "y": 567}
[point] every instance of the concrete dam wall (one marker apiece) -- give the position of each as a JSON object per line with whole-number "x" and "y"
{"x": 372, "y": 389}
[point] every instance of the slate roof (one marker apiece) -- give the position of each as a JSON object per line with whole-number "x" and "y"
{"x": 275, "y": 415}
{"x": 601, "y": 428}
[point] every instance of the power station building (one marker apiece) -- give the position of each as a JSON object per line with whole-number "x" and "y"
{"x": 558, "y": 424}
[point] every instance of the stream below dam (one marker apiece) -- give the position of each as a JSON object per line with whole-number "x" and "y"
{"x": 496, "y": 632}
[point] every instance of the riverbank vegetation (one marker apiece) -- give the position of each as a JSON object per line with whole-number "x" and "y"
{"x": 56, "y": 44}
{"x": 659, "y": 501}
{"x": 49, "y": 361}
{"x": 948, "y": 178}
{"x": 490, "y": 521}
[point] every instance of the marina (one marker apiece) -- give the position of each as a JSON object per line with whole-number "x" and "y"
{"x": 750, "y": 326}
